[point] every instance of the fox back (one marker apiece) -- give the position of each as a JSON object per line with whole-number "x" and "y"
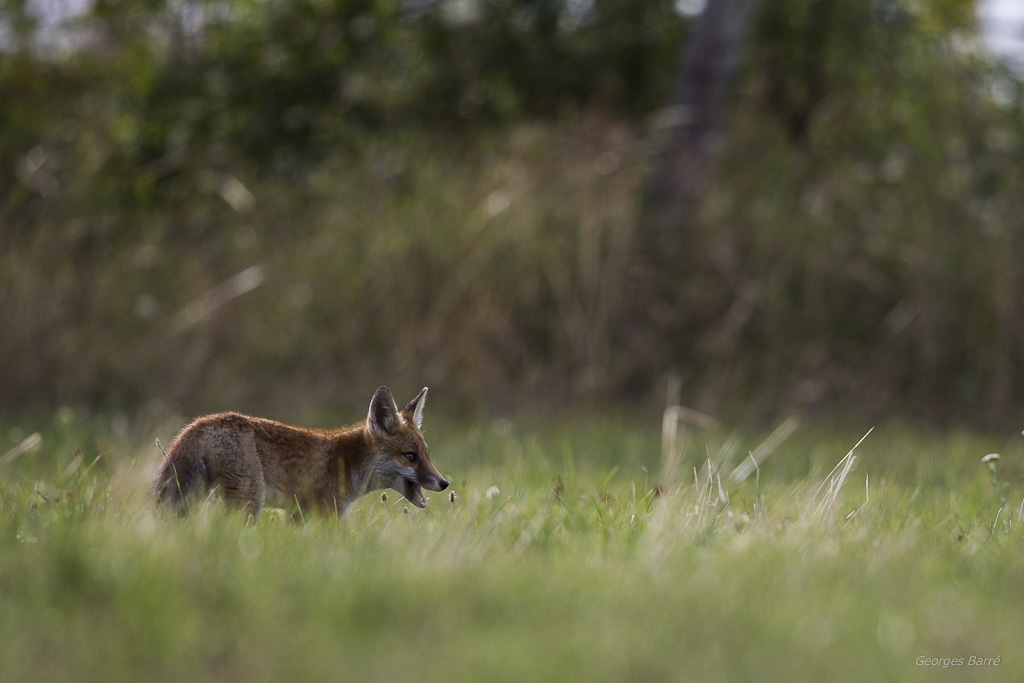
{"x": 243, "y": 457}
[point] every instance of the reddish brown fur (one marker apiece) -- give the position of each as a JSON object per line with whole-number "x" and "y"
{"x": 244, "y": 456}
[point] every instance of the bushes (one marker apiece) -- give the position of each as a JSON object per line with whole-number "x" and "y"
{"x": 864, "y": 220}
{"x": 280, "y": 204}
{"x": 322, "y": 141}
{"x": 407, "y": 262}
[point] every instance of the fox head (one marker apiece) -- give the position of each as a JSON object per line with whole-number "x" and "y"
{"x": 399, "y": 454}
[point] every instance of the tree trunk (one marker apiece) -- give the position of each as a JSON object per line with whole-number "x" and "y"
{"x": 700, "y": 96}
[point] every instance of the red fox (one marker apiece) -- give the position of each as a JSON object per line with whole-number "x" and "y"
{"x": 244, "y": 456}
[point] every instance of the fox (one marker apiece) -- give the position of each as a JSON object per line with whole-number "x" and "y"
{"x": 326, "y": 470}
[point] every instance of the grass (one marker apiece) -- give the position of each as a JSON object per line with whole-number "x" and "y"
{"x": 557, "y": 560}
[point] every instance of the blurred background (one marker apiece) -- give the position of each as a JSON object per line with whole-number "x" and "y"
{"x": 278, "y": 205}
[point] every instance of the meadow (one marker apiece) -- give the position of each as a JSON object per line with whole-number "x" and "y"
{"x": 270, "y": 206}
{"x": 564, "y": 555}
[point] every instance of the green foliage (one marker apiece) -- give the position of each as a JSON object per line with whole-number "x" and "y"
{"x": 407, "y": 258}
{"x": 280, "y": 83}
{"x": 534, "y": 57}
{"x": 449, "y": 193}
{"x": 550, "y": 562}
{"x": 864, "y": 220}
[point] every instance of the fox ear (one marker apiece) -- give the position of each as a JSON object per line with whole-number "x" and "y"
{"x": 383, "y": 417}
{"x": 414, "y": 408}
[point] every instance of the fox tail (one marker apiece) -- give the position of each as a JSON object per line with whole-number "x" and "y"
{"x": 183, "y": 471}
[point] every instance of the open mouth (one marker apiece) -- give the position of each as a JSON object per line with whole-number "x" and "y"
{"x": 414, "y": 493}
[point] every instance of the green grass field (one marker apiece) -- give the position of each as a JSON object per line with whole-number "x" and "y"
{"x": 556, "y": 561}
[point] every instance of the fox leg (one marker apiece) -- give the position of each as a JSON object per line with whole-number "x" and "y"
{"x": 241, "y": 482}
{"x": 326, "y": 496}
{"x": 246, "y": 493}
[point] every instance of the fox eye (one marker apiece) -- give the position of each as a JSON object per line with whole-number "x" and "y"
{"x": 411, "y": 457}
